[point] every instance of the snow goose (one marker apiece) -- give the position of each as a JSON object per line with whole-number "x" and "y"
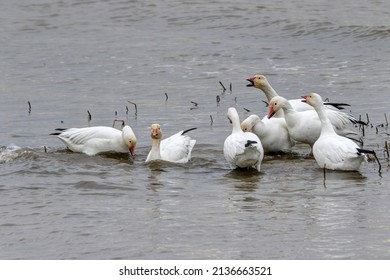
{"x": 261, "y": 82}
{"x": 98, "y": 139}
{"x": 331, "y": 150}
{"x": 176, "y": 148}
{"x": 242, "y": 149}
{"x": 273, "y": 133}
{"x": 305, "y": 126}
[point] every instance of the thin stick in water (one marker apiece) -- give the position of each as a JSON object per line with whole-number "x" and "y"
{"x": 387, "y": 150}
{"x": 89, "y": 115}
{"x": 166, "y": 96}
{"x": 135, "y": 106}
{"x": 247, "y": 110}
{"x": 224, "y": 89}
{"x": 29, "y": 107}
{"x": 387, "y": 123}
{"x": 116, "y": 120}
{"x": 325, "y": 175}
{"x": 230, "y": 87}
{"x": 212, "y": 121}
{"x": 380, "y": 166}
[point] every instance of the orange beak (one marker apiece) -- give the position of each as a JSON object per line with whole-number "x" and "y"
{"x": 271, "y": 112}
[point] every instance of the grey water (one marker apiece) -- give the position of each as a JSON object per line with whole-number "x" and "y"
{"x": 68, "y": 58}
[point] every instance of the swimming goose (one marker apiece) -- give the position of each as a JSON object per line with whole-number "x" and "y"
{"x": 242, "y": 149}
{"x": 305, "y": 126}
{"x": 273, "y": 133}
{"x": 331, "y": 150}
{"x": 176, "y": 148}
{"x": 261, "y": 82}
{"x": 98, "y": 139}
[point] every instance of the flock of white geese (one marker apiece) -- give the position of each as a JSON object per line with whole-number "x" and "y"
{"x": 309, "y": 120}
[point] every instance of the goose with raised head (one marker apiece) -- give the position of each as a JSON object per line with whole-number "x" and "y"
{"x": 242, "y": 149}
{"x": 332, "y": 151}
{"x": 305, "y": 126}
{"x": 260, "y": 82}
{"x": 98, "y": 139}
{"x": 273, "y": 133}
{"x": 176, "y": 148}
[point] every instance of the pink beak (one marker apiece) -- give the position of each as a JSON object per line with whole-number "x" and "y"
{"x": 132, "y": 151}
{"x": 155, "y": 132}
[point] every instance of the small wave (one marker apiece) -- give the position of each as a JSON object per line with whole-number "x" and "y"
{"x": 329, "y": 29}
{"x": 13, "y": 152}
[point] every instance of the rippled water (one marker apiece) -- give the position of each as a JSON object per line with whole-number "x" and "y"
{"x": 70, "y": 57}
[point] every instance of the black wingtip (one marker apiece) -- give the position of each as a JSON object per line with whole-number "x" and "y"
{"x": 188, "y": 130}
{"x": 364, "y": 151}
{"x": 339, "y": 106}
{"x": 58, "y": 129}
{"x": 250, "y": 143}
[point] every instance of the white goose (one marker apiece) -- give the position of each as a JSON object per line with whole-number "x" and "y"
{"x": 176, "y": 148}
{"x": 242, "y": 149}
{"x": 273, "y": 133}
{"x": 305, "y": 126}
{"x": 261, "y": 82}
{"x": 98, "y": 139}
{"x": 333, "y": 151}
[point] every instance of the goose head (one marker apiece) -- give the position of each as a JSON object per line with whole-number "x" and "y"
{"x": 275, "y": 105}
{"x": 248, "y": 124}
{"x": 129, "y": 138}
{"x": 155, "y": 131}
{"x": 258, "y": 81}
{"x": 313, "y": 99}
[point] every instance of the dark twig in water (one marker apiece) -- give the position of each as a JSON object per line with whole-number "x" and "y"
{"x": 135, "y": 107}
{"x": 230, "y": 87}
{"x": 166, "y": 96}
{"x": 266, "y": 103}
{"x": 127, "y": 110}
{"x": 325, "y": 175}
{"x": 247, "y": 110}
{"x": 195, "y": 104}
{"x": 29, "y": 107}
{"x": 44, "y": 148}
{"x": 218, "y": 99}
{"x": 235, "y": 99}
{"x": 89, "y": 115}
{"x": 224, "y": 89}
{"x": 371, "y": 152}
{"x": 122, "y": 123}
{"x": 387, "y": 123}
{"x": 387, "y": 150}
{"x": 368, "y": 119}
{"x": 380, "y": 166}
{"x": 116, "y": 114}
{"x": 212, "y": 121}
